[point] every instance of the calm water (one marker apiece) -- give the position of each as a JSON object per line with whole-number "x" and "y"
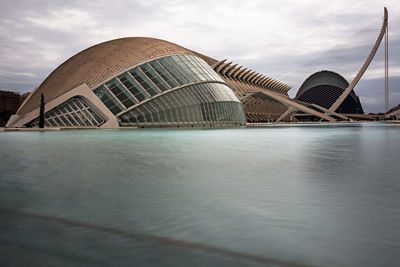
{"x": 309, "y": 195}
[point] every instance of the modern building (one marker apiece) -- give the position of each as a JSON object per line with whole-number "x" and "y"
{"x": 329, "y": 92}
{"x": 147, "y": 82}
{"x": 141, "y": 82}
{"x": 324, "y": 88}
{"x": 9, "y": 101}
{"x": 251, "y": 88}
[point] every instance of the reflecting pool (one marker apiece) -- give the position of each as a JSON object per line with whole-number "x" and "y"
{"x": 319, "y": 195}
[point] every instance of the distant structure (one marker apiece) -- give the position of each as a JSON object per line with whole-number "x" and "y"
{"x": 9, "y": 101}
{"x": 349, "y": 89}
{"x": 330, "y": 90}
{"x": 394, "y": 113}
{"x": 9, "y": 104}
{"x": 324, "y": 88}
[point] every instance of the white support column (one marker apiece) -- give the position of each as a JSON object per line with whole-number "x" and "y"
{"x": 387, "y": 68}
{"x": 287, "y": 113}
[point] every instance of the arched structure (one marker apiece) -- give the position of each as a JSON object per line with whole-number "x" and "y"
{"x": 323, "y": 88}
{"x": 364, "y": 67}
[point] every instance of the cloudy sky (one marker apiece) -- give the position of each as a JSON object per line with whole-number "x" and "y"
{"x": 279, "y": 38}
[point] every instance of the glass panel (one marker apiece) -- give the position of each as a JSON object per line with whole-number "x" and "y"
{"x": 120, "y": 92}
{"x": 163, "y": 74}
{"x": 108, "y": 100}
{"x": 96, "y": 117}
{"x": 51, "y": 122}
{"x": 73, "y": 106}
{"x": 83, "y": 118}
{"x": 147, "y": 114}
{"x": 71, "y": 120}
{"x": 207, "y": 69}
{"x": 58, "y": 121}
{"x": 68, "y": 107}
{"x": 194, "y": 104}
{"x": 151, "y": 78}
{"x": 190, "y": 64}
{"x": 182, "y": 68}
{"x": 79, "y": 103}
{"x": 66, "y": 122}
{"x": 162, "y": 86}
{"x": 140, "y": 116}
{"x": 144, "y": 82}
{"x": 172, "y": 71}
{"x": 92, "y": 120}
{"x": 133, "y": 87}
{"x": 194, "y": 67}
{"x": 78, "y": 120}
{"x": 57, "y": 111}
{"x": 83, "y": 103}
{"x": 70, "y": 113}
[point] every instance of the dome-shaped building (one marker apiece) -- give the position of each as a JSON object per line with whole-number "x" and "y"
{"x": 133, "y": 82}
{"x": 324, "y": 88}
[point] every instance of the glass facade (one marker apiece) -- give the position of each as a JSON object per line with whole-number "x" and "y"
{"x": 105, "y": 96}
{"x": 205, "y": 103}
{"x": 143, "y": 95}
{"x": 72, "y": 113}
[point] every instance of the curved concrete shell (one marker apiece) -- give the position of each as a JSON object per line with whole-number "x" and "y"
{"x": 97, "y": 63}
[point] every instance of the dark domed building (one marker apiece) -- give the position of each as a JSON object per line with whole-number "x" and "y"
{"x": 324, "y": 88}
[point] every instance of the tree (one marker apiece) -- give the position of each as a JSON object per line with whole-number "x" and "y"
{"x": 41, "y": 116}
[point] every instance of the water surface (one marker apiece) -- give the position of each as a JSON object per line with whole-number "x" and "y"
{"x": 318, "y": 195}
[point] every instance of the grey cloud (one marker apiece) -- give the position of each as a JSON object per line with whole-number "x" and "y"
{"x": 373, "y": 91}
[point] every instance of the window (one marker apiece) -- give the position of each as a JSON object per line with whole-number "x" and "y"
{"x": 108, "y": 100}
{"x": 119, "y": 91}
{"x": 143, "y": 81}
{"x": 133, "y": 87}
